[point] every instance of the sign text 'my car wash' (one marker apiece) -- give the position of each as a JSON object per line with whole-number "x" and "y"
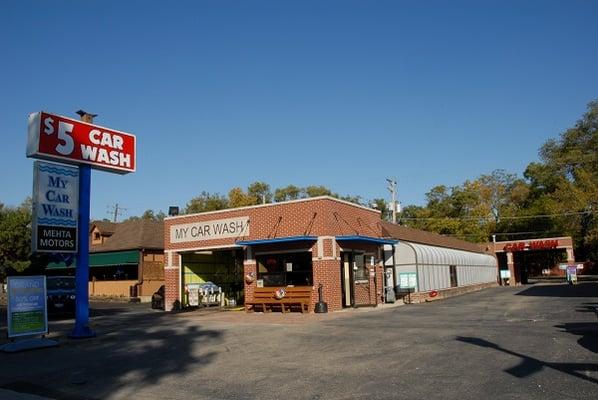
{"x": 57, "y": 138}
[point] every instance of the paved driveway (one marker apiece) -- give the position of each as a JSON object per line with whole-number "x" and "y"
{"x": 533, "y": 342}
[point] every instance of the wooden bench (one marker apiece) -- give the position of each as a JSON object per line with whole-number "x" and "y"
{"x": 295, "y": 297}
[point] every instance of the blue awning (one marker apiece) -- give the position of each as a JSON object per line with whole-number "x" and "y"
{"x": 365, "y": 239}
{"x": 289, "y": 239}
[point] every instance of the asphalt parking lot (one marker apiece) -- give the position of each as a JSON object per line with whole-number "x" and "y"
{"x": 532, "y": 342}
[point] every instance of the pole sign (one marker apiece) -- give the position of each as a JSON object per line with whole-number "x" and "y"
{"x": 27, "y": 306}
{"x": 57, "y": 138}
{"x": 55, "y": 208}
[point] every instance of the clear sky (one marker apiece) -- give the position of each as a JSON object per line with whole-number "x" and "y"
{"x": 336, "y": 93}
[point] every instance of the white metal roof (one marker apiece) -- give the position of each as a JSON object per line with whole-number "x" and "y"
{"x": 432, "y": 255}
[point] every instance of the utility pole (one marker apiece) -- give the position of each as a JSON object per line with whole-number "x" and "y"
{"x": 115, "y": 211}
{"x": 392, "y": 188}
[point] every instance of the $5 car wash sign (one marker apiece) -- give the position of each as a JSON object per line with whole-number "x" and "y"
{"x": 53, "y": 137}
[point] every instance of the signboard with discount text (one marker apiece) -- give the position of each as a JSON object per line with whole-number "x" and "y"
{"x": 27, "y": 307}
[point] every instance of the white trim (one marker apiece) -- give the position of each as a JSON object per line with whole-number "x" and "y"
{"x": 320, "y": 247}
{"x": 220, "y": 247}
{"x": 169, "y": 268}
{"x": 180, "y": 279}
{"x": 275, "y": 204}
{"x": 326, "y": 259}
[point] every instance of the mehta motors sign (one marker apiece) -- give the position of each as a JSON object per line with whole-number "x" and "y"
{"x": 27, "y": 307}
{"x": 57, "y": 138}
{"x": 55, "y": 208}
{"x": 210, "y": 230}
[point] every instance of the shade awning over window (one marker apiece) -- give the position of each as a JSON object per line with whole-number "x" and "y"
{"x": 103, "y": 260}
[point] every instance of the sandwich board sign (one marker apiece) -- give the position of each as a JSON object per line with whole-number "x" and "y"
{"x": 55, "y": 208}
{"x": 27, "y": 307}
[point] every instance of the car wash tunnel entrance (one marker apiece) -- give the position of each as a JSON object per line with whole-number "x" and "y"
{"x": 209, "y": 270}
{"x": 521, "y": 260}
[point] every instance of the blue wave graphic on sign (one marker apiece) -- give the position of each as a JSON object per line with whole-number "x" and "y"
{"x": 56, "y": 221}
{"x": 57, "y": 170}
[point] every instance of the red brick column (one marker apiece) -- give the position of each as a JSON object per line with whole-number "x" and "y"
{"x": 328, "y": 273}
{"x": 172, "y": 282}
{"x": 249, "y": 267}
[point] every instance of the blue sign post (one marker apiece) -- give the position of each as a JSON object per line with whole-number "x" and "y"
{"x": 82, "y": 329}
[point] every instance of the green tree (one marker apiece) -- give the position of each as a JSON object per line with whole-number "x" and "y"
{"x": 572, "y": 160}
{"x": 290, "y": 192}
{"x": 153, "y": 216}
{"x": 206, "y": 202}
{"x": 15, "y": 237}
{"x": 260, "y": 191}
{"x": 238, "y": 198}
{"x": 315, "y": 191}
{"x": 382, "y": 206}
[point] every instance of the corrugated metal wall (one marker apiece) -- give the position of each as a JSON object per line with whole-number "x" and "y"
{"x": 432, "y": 265}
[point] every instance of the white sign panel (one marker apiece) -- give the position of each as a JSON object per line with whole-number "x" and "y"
{"x": 210, "y": 230}
{"x": 55, "y": 208}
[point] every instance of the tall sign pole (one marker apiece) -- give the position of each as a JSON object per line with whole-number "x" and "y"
{"x": 82, "y": 329}
{"x": 61, "y": 139}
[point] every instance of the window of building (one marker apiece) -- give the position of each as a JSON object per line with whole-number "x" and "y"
{"x": 453, "y": 272}
{"x": 287, "y": 269}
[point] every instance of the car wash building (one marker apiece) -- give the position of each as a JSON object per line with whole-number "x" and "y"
{"x": 427, "y": 265}
{"x": 530, "y": 258}
{"x": 296, "y": 244}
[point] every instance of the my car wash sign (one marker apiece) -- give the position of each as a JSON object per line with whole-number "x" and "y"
{"x": 27, "y": 307}
{"x": 210, "y": 230}
{"x": 55, "y": 208}
{"x": 53, "y": 137}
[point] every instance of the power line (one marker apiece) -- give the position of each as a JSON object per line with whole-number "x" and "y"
{"x": 502, "y": 218}
{"x": 115, "y": 211}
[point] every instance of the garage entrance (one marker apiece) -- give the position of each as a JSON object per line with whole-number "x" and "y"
{"x": 223, "y": 268}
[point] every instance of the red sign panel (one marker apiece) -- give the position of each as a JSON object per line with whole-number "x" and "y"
{"x": 57, "y": 138}
{"x": 533, "y": 245}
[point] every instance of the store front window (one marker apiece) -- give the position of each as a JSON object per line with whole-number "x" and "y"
{"x": 287, "y": 269}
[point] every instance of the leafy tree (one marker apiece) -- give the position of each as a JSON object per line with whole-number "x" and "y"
{"x": 260, "y": 191}
{"x": 238, "y": 198}
{"x": 153, "y": 216}
{"x": 206, "y": 202}
{"x": 15, "y": 237}
{"x": 315, "y": 191}
{"x": 290, "y": 192}
{"x": 572, "y": 160}
{"x": 382, "y": 206}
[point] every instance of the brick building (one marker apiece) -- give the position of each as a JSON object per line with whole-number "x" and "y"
{"x": 301, "y": 243}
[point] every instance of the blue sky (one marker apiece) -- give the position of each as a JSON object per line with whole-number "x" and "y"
{"x": 336, "y": 93}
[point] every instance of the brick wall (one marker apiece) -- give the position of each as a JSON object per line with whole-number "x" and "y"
{"x": 421, "y": 297}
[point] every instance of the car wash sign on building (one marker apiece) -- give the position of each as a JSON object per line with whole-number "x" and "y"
{"x": 58, "y": 138}
{"x": 55, "y": 208}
